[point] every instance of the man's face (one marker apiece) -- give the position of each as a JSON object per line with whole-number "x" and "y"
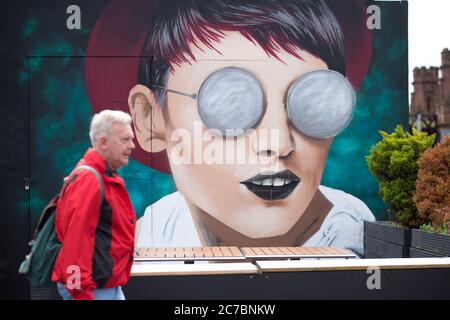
{"x": 217, "y": 188}
{"x": 118, "y": 145}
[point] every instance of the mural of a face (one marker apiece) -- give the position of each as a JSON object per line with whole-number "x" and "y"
{"x": 95, "y": 67}
{"x": 217, "y": 189}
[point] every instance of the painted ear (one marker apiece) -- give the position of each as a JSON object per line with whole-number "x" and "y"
{"x": 148, "y": 119}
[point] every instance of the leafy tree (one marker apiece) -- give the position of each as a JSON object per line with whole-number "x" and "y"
{"x": 393, "y": 162}
{"x": 432, "y": 197}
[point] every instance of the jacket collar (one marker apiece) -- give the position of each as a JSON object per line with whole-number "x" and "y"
{"x": 109, "y": 172}
{"x": 95, "y": 160}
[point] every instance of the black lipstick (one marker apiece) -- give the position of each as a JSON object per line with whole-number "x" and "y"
{"x": 272, "y": 186}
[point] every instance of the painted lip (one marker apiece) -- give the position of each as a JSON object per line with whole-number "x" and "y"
{"x": 272, "y": 186}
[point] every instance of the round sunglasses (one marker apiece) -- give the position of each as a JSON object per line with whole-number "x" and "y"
{"x": 319, "y": 104}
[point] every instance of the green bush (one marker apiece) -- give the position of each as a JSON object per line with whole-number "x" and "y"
{"x": 428, "y": 227}
{"x": 393, "y": 162}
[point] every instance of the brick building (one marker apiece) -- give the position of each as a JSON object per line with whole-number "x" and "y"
{"x": 430, "y": 101}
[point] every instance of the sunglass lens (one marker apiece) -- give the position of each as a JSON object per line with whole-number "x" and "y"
{"x": 230, "y": 100}
{"x": 320, "y": 104}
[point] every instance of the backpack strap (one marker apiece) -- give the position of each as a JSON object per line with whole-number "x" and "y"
{"x": 47, "y": 212}
{"x": 97, "y": 175}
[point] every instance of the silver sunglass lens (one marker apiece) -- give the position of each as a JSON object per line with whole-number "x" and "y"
{"x": 320, "y": 104}
{"x": 230, "y": 100}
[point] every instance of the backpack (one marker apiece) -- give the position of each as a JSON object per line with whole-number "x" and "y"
{"x": 45, "y": 247}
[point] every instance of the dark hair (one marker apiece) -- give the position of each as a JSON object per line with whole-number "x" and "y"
{"x": 306, "y": 24}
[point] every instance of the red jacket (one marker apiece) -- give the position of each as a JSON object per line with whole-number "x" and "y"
{"x": 98, "y": 241}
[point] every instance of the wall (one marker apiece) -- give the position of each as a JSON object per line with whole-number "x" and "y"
{"x": 47, "y": 102}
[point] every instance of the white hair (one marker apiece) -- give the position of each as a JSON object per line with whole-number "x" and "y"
{"x": 101, "y": 123}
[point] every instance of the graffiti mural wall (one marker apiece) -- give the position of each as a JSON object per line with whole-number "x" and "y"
{"x": 252, "y": 118}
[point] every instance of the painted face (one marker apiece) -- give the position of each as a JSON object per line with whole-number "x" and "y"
{"x": 119, "y": 145}
{"x": 277, "y": 169}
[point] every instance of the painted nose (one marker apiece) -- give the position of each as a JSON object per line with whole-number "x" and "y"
{"x": 274, "y": 137}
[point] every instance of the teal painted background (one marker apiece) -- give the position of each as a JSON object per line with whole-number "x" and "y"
{"x": 60, "y": 111}
{"x": 382, "y": 103}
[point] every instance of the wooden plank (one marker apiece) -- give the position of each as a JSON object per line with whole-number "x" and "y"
{"x": 226, "y": 252}
{"x": 189, "y": 252}
{"x": 207, "y": 252}
{"x": 160, "y": 253}
{"x": 216, "y": 252}
{"x": 321, "y": 251}
{"x": 276, "y": 250}
{"x": 306, "y": 251}
{"x": 179, "y": 252}
{"x": 314, "y": 251}
{"x": 292, "y": 250}
{"x": 258, "y": 251}
{"x": 235, "y": 251}
{"x": 198, "y": 252}
{"x": 170, "y": 252}
{"x": 151, "y": 252}
{"x": 267, "y": 251}
{"x": 141, "y": 252}
{"x": 326, "y": 251}
{"x": 333, "y": 251}
{"x": 342, "y": 251}
{"x": 285, "y": 251}
{"x": 299, "y": 251}
{"x": 248, "y": 251}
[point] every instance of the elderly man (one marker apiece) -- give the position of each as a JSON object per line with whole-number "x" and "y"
{"x": 97, "y": 232}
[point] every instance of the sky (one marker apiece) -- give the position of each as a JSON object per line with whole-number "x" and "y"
{"x": 429, "y": 33}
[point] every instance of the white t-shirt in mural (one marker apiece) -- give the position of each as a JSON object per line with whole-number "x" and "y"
{"x": 168, "y": 223}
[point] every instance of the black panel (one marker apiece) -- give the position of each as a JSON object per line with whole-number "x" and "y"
{"x": 395, "y": 284}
